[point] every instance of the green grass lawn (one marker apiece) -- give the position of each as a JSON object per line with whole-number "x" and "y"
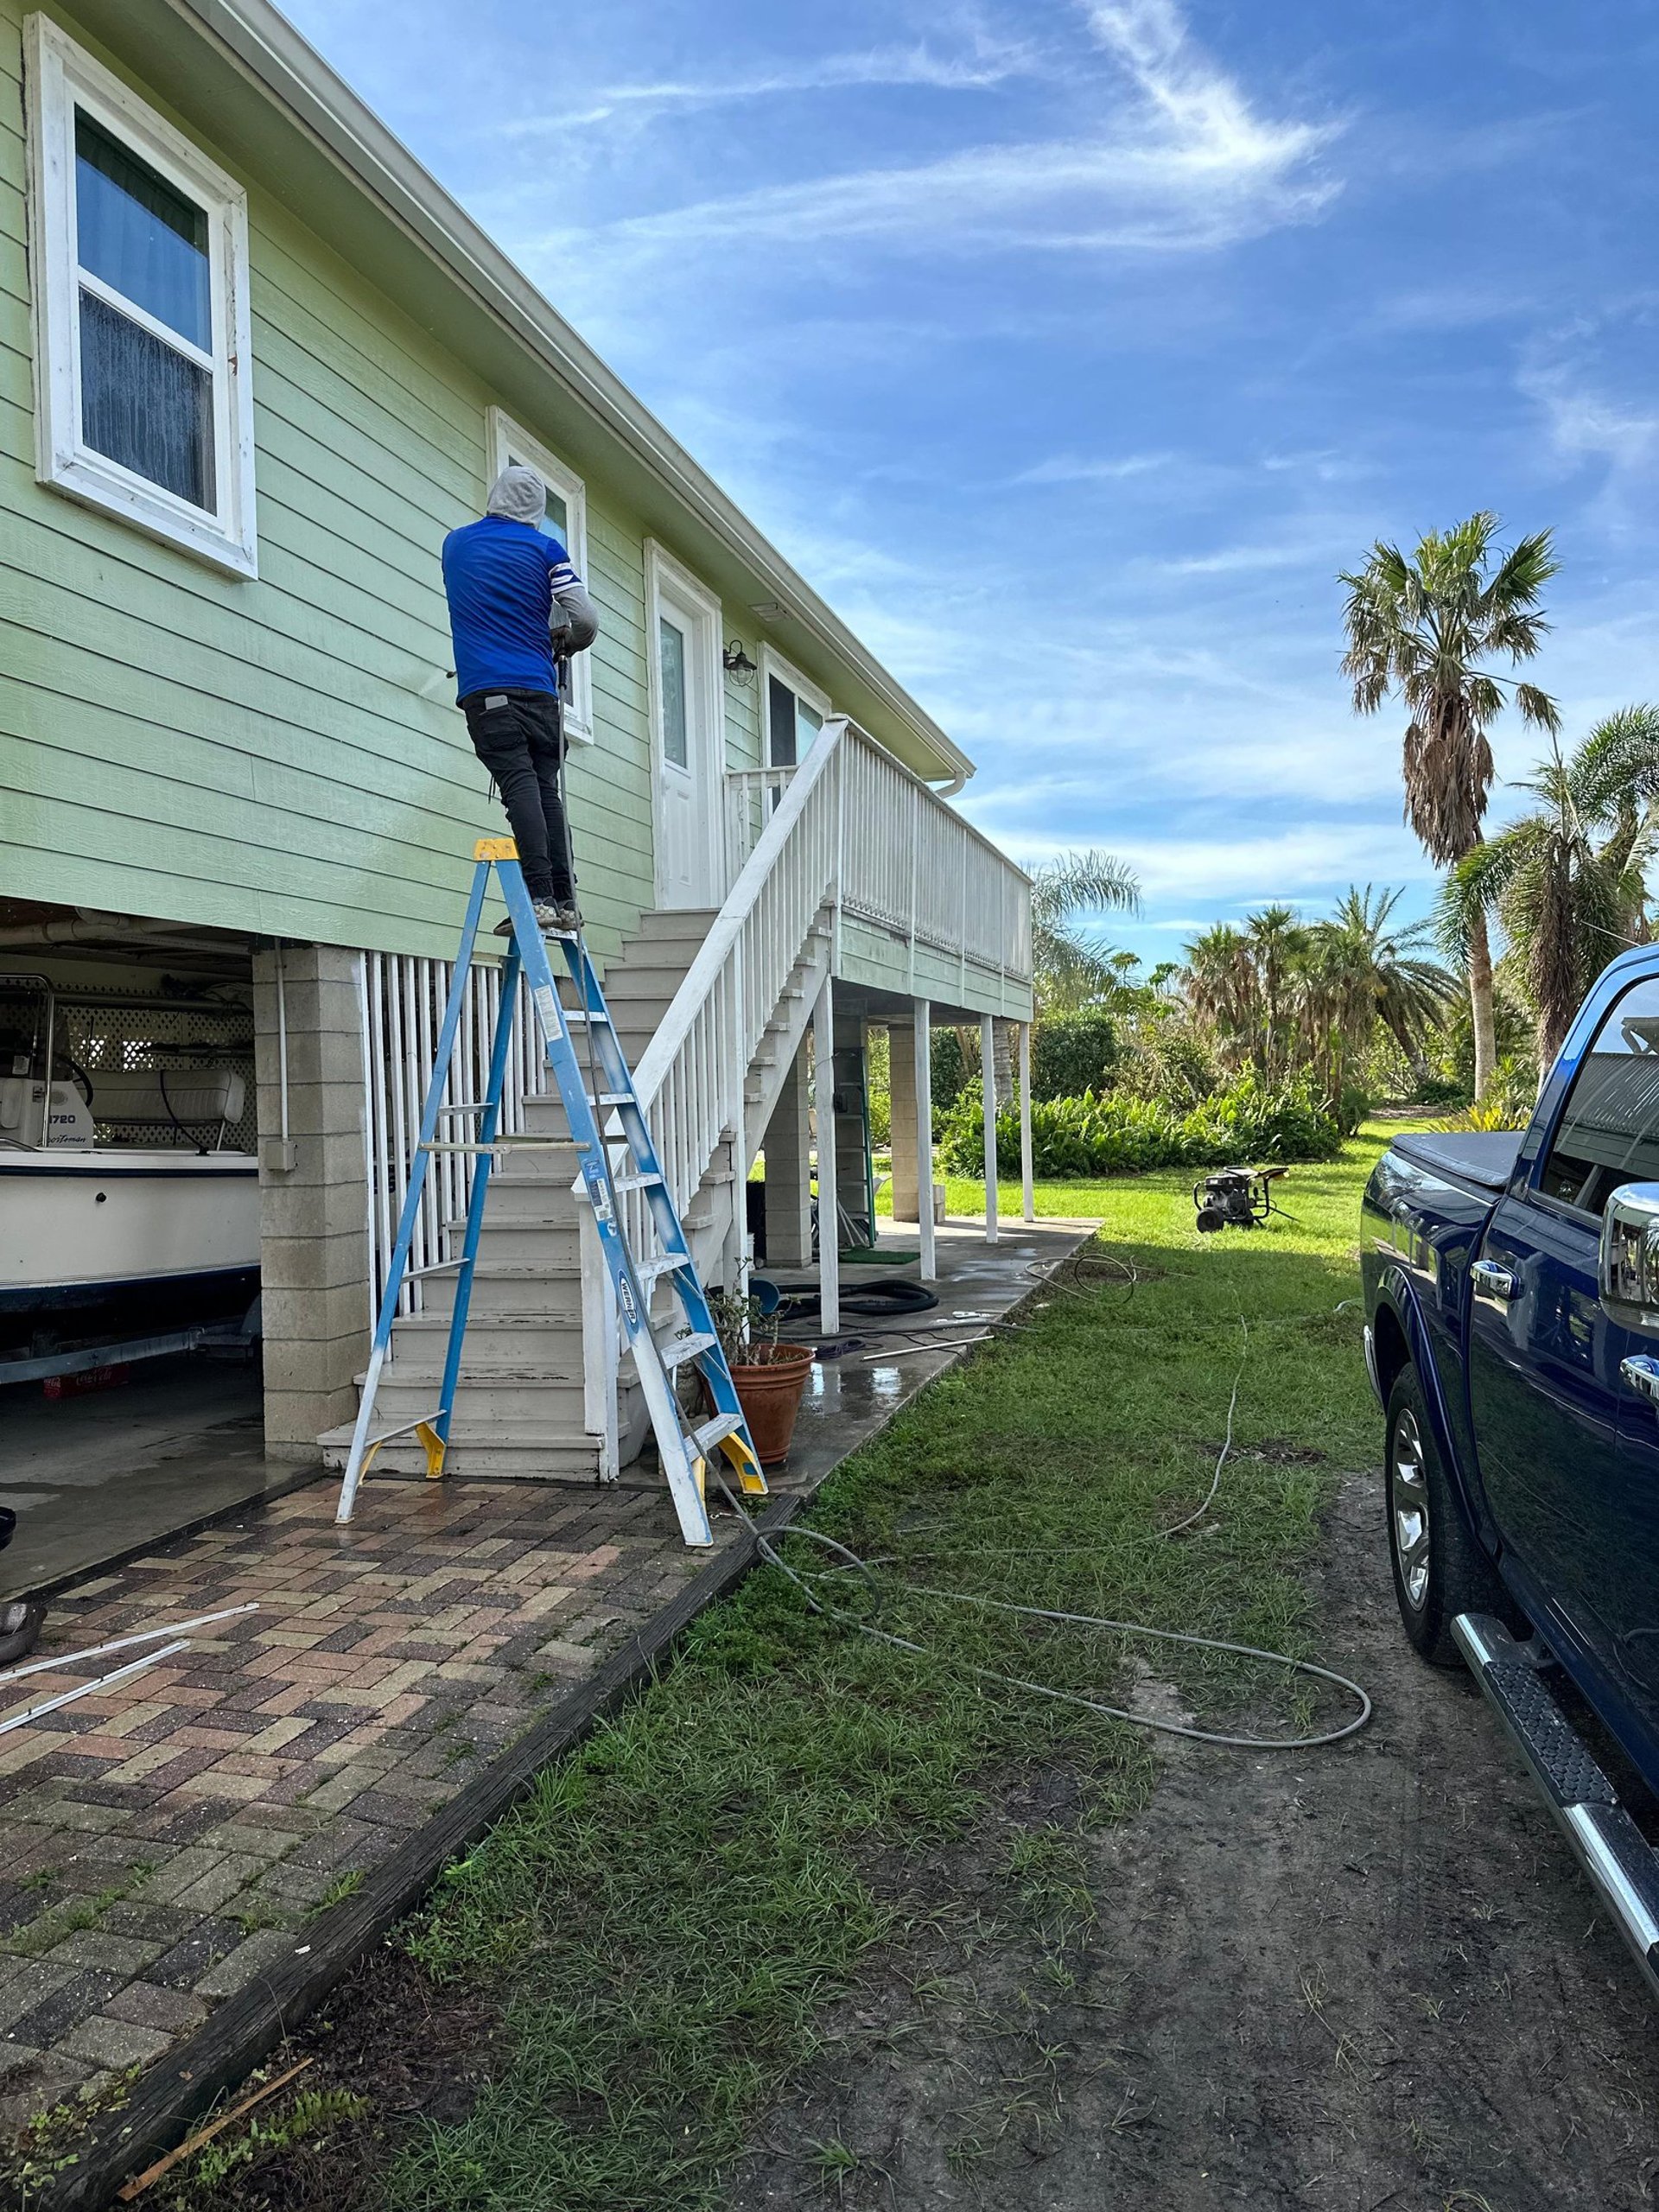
{"x": 666, "y": 1921}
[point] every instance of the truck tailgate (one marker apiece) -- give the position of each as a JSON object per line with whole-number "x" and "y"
{"x": 1482, "y": 1157}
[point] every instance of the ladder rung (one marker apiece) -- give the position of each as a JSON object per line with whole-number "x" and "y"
{"x": 665, "y": 1263}
{"x": 613, "y": 1099}
{"x": 512, "y": 1144}
{"x": 714, "y": 1432}
{"x": 678, "y": 1349}
{"x": 576, "y": 1013}
{"x": 635, "y": 1182}
{"x": 404, "y": 1429}
{"x": 437, "y": 1267}
{"x": 468, "y": 1106}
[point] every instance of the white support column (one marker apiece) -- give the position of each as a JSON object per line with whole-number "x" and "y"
{"x": 823, "y": 1100}
{"x": 987, "y": 1088}
{"x": 925, "y": 1137}
{"x": 1028, "y": 1208}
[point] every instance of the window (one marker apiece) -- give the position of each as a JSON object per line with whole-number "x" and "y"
{"x": 1608, "y": 1133}
{"x": 796, "y": 711}
{"x": 142, "y": 352}
{"x": 567, "y": 520}
{"x": 670, "y": 661}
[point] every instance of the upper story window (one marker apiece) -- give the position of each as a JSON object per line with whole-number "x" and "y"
{"x": 140, "y": 289}
{"x": 1608, "y": 1133}
{"x": 796, "y": 711}
{"x": 567, "y": 520}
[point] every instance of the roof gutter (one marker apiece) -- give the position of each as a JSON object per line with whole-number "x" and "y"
{"x": 294, "y": 75}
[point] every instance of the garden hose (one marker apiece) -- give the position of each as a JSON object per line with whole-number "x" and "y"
{"x": 853, "y": 1564}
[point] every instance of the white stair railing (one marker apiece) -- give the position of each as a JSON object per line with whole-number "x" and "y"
{"x": 692, "y": 1075}
{"x": 690, "y": 1078}
{"x": 851, "y": 831}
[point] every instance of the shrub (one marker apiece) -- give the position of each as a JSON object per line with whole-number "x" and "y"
{"x": 1073, "y": 1053}
{"x": 1510, "y": 1096}
{"x": 1110, "y": 1135}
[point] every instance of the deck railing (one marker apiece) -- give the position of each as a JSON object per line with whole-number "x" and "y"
{"x": 906, "y": 861}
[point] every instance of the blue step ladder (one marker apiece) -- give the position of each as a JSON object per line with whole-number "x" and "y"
{"x": 609, "y": 1119}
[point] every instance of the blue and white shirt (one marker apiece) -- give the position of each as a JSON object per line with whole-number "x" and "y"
{"x": 502, "y": 578}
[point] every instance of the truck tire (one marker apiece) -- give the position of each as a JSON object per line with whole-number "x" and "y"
{"x": 1439, "y": 1570}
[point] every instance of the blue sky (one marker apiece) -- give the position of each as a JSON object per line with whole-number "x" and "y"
{"x": 1069, "y": 350}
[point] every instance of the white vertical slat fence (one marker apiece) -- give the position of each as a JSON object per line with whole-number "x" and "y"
{"x": 403, "y": 998}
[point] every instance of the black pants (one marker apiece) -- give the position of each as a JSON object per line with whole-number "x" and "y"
{"x": 517, "y": 736}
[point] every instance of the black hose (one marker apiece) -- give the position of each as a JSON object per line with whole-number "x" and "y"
{"x": 898, "y": 1296}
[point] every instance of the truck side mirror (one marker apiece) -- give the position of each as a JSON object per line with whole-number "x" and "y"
{"x": 1630, "y": 1256}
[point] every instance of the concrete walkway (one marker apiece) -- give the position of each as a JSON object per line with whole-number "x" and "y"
{"x": 166, "y": 1843}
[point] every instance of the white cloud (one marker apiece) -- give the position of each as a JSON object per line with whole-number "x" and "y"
{"x": 1301, "y": 860}
{"x": 984, "y": 66}
{"x": 1072, "y": 469}
{"x": 1243, "y": 560}
{"x": 1182, "y": 161}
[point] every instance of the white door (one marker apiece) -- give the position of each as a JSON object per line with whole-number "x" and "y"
{"x": 687, "y": 739}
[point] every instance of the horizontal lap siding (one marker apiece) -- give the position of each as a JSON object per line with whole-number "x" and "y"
{"x": 282, "y": 755}
{"x": 869, "y": 956}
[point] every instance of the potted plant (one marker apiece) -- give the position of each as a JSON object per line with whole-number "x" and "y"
{"x": 771, "y": 1375}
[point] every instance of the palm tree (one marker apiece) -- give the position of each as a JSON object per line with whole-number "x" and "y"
{"x": 1377, "y": 973}
{"x": 1278, "y": 945}
{"x": 1566, "y": 901}
{"x": 1427, "y": 627}
{"x": 1222, "y": 986}
{"x": 1073, "y": 965}
{"x": 1406, "y": 993}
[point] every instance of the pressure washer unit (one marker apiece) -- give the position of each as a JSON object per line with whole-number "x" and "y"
{"x": 1236, "y": 1197}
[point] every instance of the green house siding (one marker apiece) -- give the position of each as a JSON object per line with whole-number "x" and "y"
{"x": 869, "y": 956}
{"x": 282, "y": 755}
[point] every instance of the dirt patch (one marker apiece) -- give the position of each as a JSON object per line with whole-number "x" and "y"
{"x": 1357, "y": 1978}
{"x": 390, "y": 2048}
{"x": 1272, "y": 1451}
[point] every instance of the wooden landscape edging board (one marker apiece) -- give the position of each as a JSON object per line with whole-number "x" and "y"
{"x": 235, "y": 2037}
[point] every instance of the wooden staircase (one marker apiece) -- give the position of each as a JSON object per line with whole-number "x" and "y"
{"x": 522, "y": 1405}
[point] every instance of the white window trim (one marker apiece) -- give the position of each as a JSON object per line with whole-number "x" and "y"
{"x": 506, "y": 438}
{"x": 61, "y": 77}
{"x": 672, "y": 588}
{"x": 773, "y": 663}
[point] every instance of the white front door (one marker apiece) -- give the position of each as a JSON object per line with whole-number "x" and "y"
{"x": 687, "y": 743}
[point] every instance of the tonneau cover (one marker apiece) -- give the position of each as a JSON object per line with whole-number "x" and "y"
{"x": 1482, "y": 1157}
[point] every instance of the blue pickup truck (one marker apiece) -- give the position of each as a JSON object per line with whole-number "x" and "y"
{"x": 1512, "y": 1333}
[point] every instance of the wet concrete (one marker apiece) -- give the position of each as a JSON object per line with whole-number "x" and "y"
{"x": 97, "y": 1477}
{"x": 851, "y": 1396}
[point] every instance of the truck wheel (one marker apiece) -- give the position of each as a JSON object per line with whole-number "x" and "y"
{"x": 1440, "y": 1571}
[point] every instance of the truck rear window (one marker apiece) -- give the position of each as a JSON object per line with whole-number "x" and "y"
{"x": 1608, "y": 1133}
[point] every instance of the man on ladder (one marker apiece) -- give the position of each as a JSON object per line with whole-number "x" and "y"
{"x": 517, "y": 610}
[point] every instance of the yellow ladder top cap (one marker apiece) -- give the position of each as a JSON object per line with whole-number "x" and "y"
{"x": 495, "y": 849}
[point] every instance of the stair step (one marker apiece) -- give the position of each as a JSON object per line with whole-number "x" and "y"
{"x": 537, "y": 1342}
{"x": 508, "y": 1452}
{"x": 542, "y": 1294}
{"x": 549, "y": 1207}
{"x": 554, "y": 1401}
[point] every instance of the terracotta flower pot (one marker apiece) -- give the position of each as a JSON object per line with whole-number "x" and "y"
{"x": 770, "y": 1393}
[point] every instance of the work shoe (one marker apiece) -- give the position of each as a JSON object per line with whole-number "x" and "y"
{"x": 552, "y": 920}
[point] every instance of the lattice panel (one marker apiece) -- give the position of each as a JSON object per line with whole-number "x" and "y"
{"x": 129, "y": 1034}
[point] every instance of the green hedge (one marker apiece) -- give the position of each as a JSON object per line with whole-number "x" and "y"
{"x": 1112, "y": 1135}
{"x": 1073, "y": 1053}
